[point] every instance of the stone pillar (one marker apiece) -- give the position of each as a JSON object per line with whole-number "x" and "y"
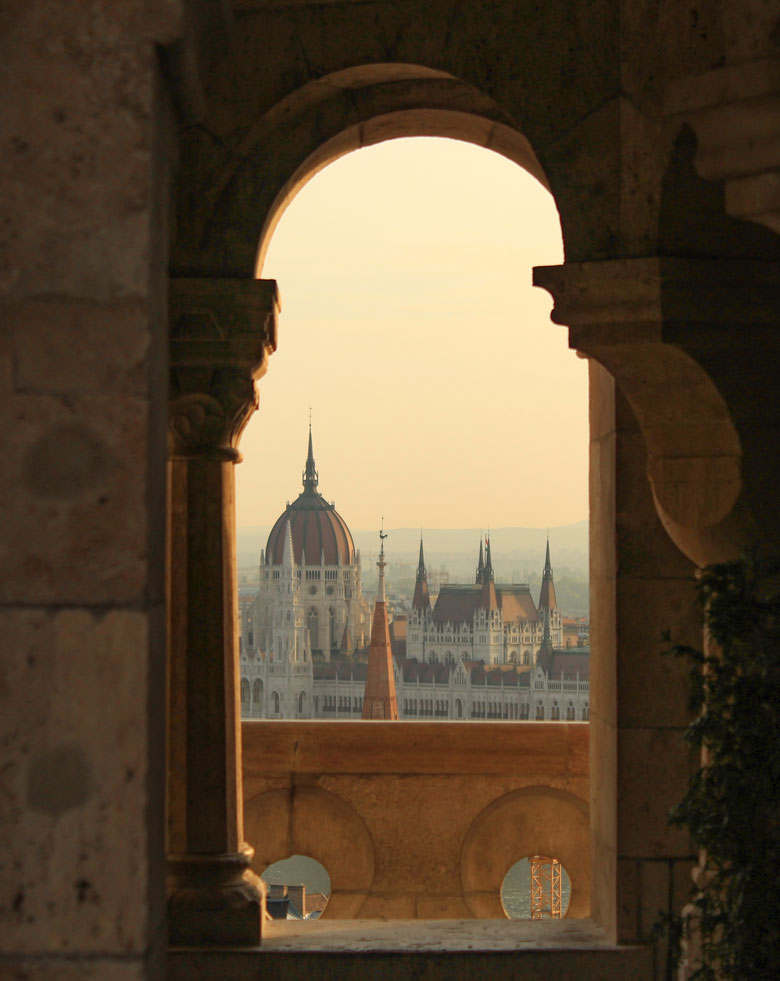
{"x": 222, "y": 332}
{"x": 664, "y": 473}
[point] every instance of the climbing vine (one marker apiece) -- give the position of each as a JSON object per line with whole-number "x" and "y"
{"x": 732, "y": 806}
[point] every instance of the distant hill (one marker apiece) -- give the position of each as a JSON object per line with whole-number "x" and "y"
{"x": 516, "y": 551}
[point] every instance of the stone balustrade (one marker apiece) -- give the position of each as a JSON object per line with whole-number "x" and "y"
{"x": 418, "y": 820}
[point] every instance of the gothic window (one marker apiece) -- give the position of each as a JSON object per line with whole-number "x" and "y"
{"x": 555, "y": 712}
{"x": 244, "y": 693}
{"x": 334, "y": 640}
{"x": 570, "y": 711}
{"x": 257, "y": 694}
{"x": 275, "y": 699}
{"x": 585, "y": 713}
{"x": 539, "y": 710}
{"x": 302, "y": 703}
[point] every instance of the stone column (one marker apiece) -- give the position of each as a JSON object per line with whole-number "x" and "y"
{"x": 222, "y": 332}
{"x": 664, "y": 472}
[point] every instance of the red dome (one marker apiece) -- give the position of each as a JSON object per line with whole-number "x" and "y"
{"x": 319, "y": 534}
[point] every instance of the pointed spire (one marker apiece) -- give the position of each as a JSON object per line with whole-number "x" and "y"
{"x": 310, "y": 475}
{"x": 481, "y": 565}
{"x": 547, "y": 599}
{"x": 421, "y": 573}
{"x": 379, "y": 697}
{"x": 421, "y": 599}
{"x": 489, "y": 600}
{"x": 488, "y": 561}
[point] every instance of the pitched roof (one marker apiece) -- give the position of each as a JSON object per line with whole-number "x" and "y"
{"x": 516, "y": 603}
{"x": 457, "y": 603}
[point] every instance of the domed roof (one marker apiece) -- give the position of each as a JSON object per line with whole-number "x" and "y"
{"x": 320, "y": 535}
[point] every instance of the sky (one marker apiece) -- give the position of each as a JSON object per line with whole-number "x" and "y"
{"x": 441, "y": 394}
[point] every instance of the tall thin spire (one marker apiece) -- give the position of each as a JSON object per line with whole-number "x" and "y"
{"x": 310, "y": 475}
{"x": 421, "y": 573}
{"x": 379, "y": 697}
{"x": 421, "y": 599}
{"x": 481, "y": 564}
{"x": 547, "y": 599}
{"x": 489, "y": 599}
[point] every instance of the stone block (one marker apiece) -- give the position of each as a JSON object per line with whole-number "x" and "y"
{"x": 75, "y": 479}
{"x": 74, "y": 347}
{"x": 78, "y": 969}
{"x": 627, "y": 890}
{"x": 652, "y": 687}
{"x": 77, "y": 191}
{"x": 653, "y": 770}
{"x": 77, "y": 818}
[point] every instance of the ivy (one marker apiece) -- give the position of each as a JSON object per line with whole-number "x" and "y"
{"x": 732, "y": 806}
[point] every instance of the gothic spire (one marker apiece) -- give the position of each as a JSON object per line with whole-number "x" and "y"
{"x": 310, "y": 475}
{"x": 481, "y": 565}
{"x": 489, "y": 599}
{"x": 421, "y": 573}
{"x": 488, "y": 561}
{"x": 421, "y": 600}
{"x": 547, "y": 599}
{"x": 379, "y": 698}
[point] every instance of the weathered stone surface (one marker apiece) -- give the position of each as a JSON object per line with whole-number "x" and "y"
{"x": 66, "y": 795}
{"x": 485, "y": 796}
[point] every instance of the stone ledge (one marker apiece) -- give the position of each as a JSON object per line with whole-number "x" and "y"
{"x": 398, "y": 949}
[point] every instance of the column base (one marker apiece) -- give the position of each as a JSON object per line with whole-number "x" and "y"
{"x": 214, "y": 900}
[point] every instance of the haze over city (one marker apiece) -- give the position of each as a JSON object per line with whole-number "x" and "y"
{"x": 430, "y": 242}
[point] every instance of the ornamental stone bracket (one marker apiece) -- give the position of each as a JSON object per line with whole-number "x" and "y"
{"x": 222, "y": 333}
{"x": 735, "y": 113}
{"x": 656, "y": 325}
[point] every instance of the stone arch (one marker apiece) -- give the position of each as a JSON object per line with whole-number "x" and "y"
{"x": 310, "y": 821}
{"x": 321, "y": 121}
{"x": 531, "y": 821}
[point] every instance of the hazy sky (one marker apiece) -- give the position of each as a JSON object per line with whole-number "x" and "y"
{"x": 442, "y": 395}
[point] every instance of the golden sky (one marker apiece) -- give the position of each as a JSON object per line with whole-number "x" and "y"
{"x": 442, "y": 395}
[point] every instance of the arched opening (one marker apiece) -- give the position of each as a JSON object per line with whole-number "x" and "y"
{"x": 299, "y": 888}
{"x": 536, "y": 887}
{"x": 257, "y": 697}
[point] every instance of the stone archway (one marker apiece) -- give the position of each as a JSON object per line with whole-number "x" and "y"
{"x": 532, "y": 821}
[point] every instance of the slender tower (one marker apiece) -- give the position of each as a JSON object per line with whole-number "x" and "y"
{"x": 547, "y": 600}
{"x": 379, "y": 698}
{"x": 421, "y": 600}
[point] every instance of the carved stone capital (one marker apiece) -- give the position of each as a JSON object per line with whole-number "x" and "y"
{"x": 654, "y": 323}
{"x": 734, "y": 112}
{"x": 619, "y": 302}
{"x": 222, "y": 332}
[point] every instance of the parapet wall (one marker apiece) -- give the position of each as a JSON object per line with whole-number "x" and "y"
{"x": 419, "y": 820}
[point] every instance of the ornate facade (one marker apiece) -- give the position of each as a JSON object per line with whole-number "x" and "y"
{"x": 481, "y": 651}
{"x": 309, "y": 602}
{"x": 496, "y": 623}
